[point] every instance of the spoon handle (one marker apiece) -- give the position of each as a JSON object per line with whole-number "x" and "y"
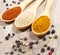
{"x": 36, "y": 5}
{"x": 48, "y": 6}
{"x": 25, "y": 4}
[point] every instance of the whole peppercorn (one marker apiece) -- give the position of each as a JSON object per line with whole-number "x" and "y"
{"x": 11, "y": 52}
{"x": 44, "y": 39}
{"x": 18, "y": 46}
{"x": 6, "y": 4}
{"x": 52, "y": 25}
{"x": 48, "y": 48}
{"x": 14, "y": 2}
{"x": 48, "y": 32}
{"x": 31, "y": 43}
{"x": 20, "y": 50}
{"x": 18, "y": 3}
{"x": 13, "y": 34}
{"x": 4, "y": 27}
{"x": 25, "y": 39}
{"x": 13, "y": 46}
{"x": 6, "y": 38}
{"x": 42, "y": 50}
{"x": 9, "y": 34}
{"x": 52, "y": 49}
{"x": 53, "y": 31}
{"x": 4, "y": 1}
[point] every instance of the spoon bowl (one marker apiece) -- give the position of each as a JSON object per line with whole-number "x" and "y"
{"x": 24, "y": 16}
{"x": 10, "y": 14}
{"x": 44, "y": 22}
{"x": 25, "y": 19}
{"x": 40, "y": 33}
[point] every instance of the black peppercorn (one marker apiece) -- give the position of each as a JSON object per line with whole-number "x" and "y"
{"x": 31, "y": 43}
{"x": 20, "y": 50}
{"x": 25, "y": 39}
{"x": 48, "y": 48}
{"x": 4, "y": 1}
{"x": 44, "y": 39}
{"x": 13, "y": 2}
{"x": 4, "y": 27}
{"x": 13, "y": 46}
{"x": 48, "y": 32}
{"x": 13, "y": 34}
{"x": 18, "y": 46}
{"x": 52, "y": 25}
{"x": 7, "y": 4}
{"x": 11, "y": 52}
{"x": 8, "y": 34}
{"x": 17, "y": 41}
{"x": 53, "y": 31}
{"x": 42, "y": 50}
{"x": 6, "y": 38}
{"x": 18, "y": 3}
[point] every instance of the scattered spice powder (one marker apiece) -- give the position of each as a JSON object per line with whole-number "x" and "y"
{"x": 11, "y": 13}
{"x": 41, "y": 24}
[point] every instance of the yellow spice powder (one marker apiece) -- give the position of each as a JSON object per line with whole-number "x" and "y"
{"x": 41, "y": 24}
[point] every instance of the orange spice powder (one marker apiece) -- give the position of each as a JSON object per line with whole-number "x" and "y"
{"x": 11, "y": 13}
{"x": 41, "y": 24}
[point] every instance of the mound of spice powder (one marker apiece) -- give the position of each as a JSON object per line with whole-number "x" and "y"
{"x": 11, "y": 13}
{"x": 41, "y": 24}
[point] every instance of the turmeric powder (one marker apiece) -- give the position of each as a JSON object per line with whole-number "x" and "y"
{"x": 11, "y": 13}
{"x": 41, "y": 24}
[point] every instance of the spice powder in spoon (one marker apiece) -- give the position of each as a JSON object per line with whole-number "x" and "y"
{"x": 11, "y": 13}
{"x": 41, "y": 24}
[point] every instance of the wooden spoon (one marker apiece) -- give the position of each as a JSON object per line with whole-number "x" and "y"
{"x": 46, "y": 14}
{"x": 10, "y": 15}
{"x": 26, "y": 18}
